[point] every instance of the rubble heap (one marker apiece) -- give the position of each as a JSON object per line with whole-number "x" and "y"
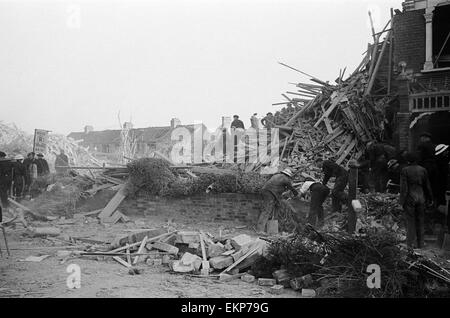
{"x": 336, "y": 263}
{"x": 334, "y": 120}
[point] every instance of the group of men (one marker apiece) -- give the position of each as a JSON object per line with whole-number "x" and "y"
{"x": 281, "y": 182}
{"x": 421, "y": 177}
{"x": 20, "y": 176}
{"x": 267, "y": 122}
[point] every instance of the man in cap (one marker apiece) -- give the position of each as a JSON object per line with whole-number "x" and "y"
{"x": 271, "y": 193}
{"x": 442, "y": 161}
{"x": 237, "y": 123}
{"x": 42, "y": 165}
{"x": 269, "y": 121}
{"x": 415, "y": 194}
{"x": 19, "y": 175}
{"x": 331, "y": 169}
{"x": 319, "y": 193}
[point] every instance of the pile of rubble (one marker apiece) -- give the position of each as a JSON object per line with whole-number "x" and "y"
{"x": 336, "y": 263}
{"x": 334, "y": 120}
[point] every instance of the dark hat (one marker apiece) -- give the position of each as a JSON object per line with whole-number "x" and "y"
{"x": 236, "y": 116}
{"x": 2, "y": 154}
{"x": 40, "y": 155}
{"x": 269, "y": 113}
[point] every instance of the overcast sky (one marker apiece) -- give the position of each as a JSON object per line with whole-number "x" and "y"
{"x": 67, "y": 64}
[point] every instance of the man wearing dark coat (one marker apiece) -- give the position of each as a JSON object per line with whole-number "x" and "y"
{"x": 271, "y": 193}
{"x": 332, "y": 169}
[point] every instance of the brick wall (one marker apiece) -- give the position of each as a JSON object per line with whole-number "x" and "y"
{"x": 409, "y": 39}
{"x": 243, "y": 208}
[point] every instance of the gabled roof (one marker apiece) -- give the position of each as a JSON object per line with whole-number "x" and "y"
{"x": 104, "y": 137}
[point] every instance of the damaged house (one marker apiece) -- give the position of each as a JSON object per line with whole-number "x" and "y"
{"x": 421, "y": 71}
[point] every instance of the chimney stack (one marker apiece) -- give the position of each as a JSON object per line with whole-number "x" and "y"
{"x": 88, "y": 129}
{"x": 174, "y": 122}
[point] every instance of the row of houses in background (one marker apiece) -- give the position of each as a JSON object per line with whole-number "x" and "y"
{"x": 414, "y": 76}
{"x": 108, "y": 144}
{"x": 145, "y": 140}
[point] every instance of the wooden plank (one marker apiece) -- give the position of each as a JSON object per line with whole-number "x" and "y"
{"x": 152, "y": 239}
{"x": 377, "y": 66}
{"x": 114, "y": 203}
{"x": 121, "y": 261}
{"x": 114, "y": 218}
{"x": 339, "y": 131}
{"x": 90, "y": 213}
{"x": 327, "y": 122}
{"x": 301, "y": 111}
{"x": 346, "y": 152}
{"x": 344, "y": 146}
{"x": 333, "y": 105}
{"x": 253, "y": 250}
{"x": 96, "y": 188}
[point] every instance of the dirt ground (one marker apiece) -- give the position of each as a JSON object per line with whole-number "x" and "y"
{"x": 107, "y": 278}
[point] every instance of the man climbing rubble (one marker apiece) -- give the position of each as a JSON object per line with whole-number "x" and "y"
{"x": 271, "y": 192}
{"x": 332, "y": 169}
{"x": 319, "y": 193}
{"x": 415, "y": 193}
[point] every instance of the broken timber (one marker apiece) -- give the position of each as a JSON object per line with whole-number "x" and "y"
{"x": 112, "y": 205}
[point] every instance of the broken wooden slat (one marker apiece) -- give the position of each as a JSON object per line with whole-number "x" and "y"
{"x": 121, "y": 261}
{"x": 140, "y": 250}
{"x": 113, "y": 204}
{"x": 333, "y": 105}
{"x": 346, "y": 152}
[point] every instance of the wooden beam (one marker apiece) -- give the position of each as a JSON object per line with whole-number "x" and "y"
{"x": 113, "y": 204}
{"x": 377, "y": 66}
{"x": 140, "y": 250}
{"x": 346, "y": 152}
{"x": 333, "y": 105}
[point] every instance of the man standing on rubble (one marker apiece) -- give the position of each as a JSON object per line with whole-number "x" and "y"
{"x": 254, "y": 121}
{"x": 319, "y": 193}
{"x": 271, "y": 192}
{"x": 269, "y": 121}
{"x": 415, "y": 193}
{"x": 332, "y": 169}
{"x": 237, "y": 123}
